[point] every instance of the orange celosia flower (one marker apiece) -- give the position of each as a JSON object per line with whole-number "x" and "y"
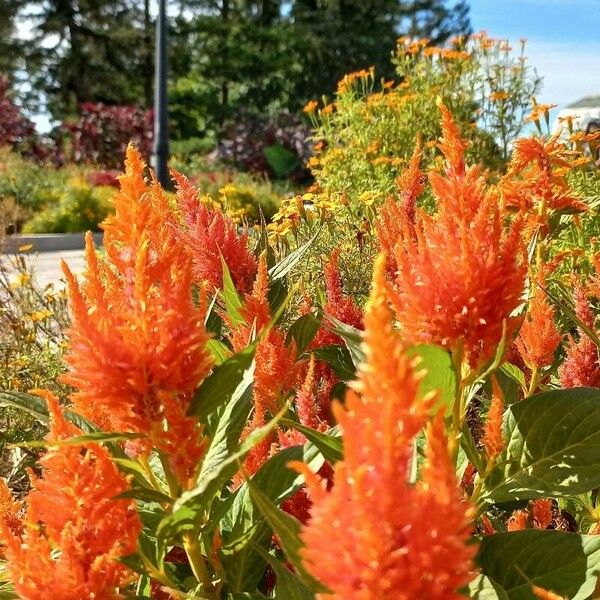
{"x": 397, "y": 217}
{"x": 339, "y": 305}
{"x": 536, "y": 181}
{"x": 543, "y": 594}
{"x": 137, "y": 350}
{"x": 493, "y": 439}
{"x": 72, "y": 508}
{"x": 212, "y": 237}
{"x": 460, "y": 274}
{"x": 581, "y": 367}
{"x": 541, "y": 513}
{"x": 9, "y": 513}
{"x": 517, "y": 521}
{"x": 374, "y": 535}
{"x": 276, "y": 371}
{"x": 538, "y": 337}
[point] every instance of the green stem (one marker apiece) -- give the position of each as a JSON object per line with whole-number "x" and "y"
{"x": 170, "y": 477}
{"x": 148, "y": 469}
{"x": 192, "y": 549}
{"x": 535, "y": 378}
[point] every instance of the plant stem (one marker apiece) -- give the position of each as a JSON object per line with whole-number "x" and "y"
{"x": 192, "y": 549}
{"x": 535, "y": 378}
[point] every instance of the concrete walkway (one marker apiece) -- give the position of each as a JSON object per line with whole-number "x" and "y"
{"x": 46, "y": 265}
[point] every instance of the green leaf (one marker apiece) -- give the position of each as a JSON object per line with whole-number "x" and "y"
{"x": 147, "y": 495}
{"x": 483, "y": 588}
{"x": 288, "y": 585}
{"x": 282, "y": 268}
{"x": 219, "y": 466}
{"x": 303, "y": 331}
{"x": 339, "y": 359}
{"x": 352, "y": 338}
{"x": 440, "y": 374}
{"x": 242, "y": 525}
{"x": 220, "y": 352}
{"x": 565, "y": 563}
{"x": 287, "y": 529}
{"x": 330, "y": 444}
{"x": 282, "y": 160}
{"x": 231, "y": 298}
{"x": 97, "y": 437}
{"x": 224, "y": 382}
{"x": 552, "y": 447}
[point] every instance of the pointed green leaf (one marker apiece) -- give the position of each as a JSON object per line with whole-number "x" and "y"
{"x": 282, "y": 268}
{"x": 329, "y": 443}
{"x": 219, "y": 387}
{"x": 303, "y": 331}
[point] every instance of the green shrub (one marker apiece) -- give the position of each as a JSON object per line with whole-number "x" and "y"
{"x": 80, "y": 207}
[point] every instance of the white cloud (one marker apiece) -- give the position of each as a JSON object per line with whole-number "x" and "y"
{"x": 570, "y": 70}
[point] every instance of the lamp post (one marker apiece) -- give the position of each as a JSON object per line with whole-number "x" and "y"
{"x": 161, "y": 125}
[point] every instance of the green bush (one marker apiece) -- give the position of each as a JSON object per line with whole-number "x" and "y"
{"x": 80, "y": 207}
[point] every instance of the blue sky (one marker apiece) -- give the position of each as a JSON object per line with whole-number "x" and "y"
{"x": 563, "y": 41}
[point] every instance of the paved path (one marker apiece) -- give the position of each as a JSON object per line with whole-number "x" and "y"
{"x": 46, "y": 265}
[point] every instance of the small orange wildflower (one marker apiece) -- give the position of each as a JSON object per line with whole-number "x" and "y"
{"x": 310, "y": 106}
{"x": 374, "y": 535}
{"x": 461, "y": 273}
{"x": 211, "y": 237}
{"x": 73, "y": 508}
{"x": 538, "y": 337}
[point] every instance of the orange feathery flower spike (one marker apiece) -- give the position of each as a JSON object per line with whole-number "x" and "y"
{"x": 544, "y": 594}
{"x": 72, "y": 508}
{"x": 398, "y": 217}
{"x": 209, "y": 235}
{"x": 461, "y": 274}
{"x": 538, "y": 337}
{"x": 9, "y": 513}
{"x": 541, "y": 512}
{"x": 338, "y": 305}
{"x": 517, "y": 521}
{"x": 276, "y": 371}
{"x": 493, "y": 440}
{"x": 374, "y": 536}
{"x": 536, "y": 182}
{"x": 581, "y": 367}
{"x": 137, "y": 341}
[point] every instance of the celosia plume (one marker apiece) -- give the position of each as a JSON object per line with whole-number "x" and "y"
{"x": 211, "y": 237}
{"x": 276, "y": 371}
{"x": 137, "y": 341}
{"x": 538, "y": 337}
{"x": 517, "y": 521}
{"x": 375, "y": 536}
{"x": 461, "y": 275}
{"x": 397, "y": 216}
{"x": 581, "y": 367}
{"x": 73, "y": 508}
{"x": 493, "y": 439}
{"x": 339, "y": 305}
{"x": 541, "y": 512}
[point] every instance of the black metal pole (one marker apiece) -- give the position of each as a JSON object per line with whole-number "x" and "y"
{"x": 161, "y": 125}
